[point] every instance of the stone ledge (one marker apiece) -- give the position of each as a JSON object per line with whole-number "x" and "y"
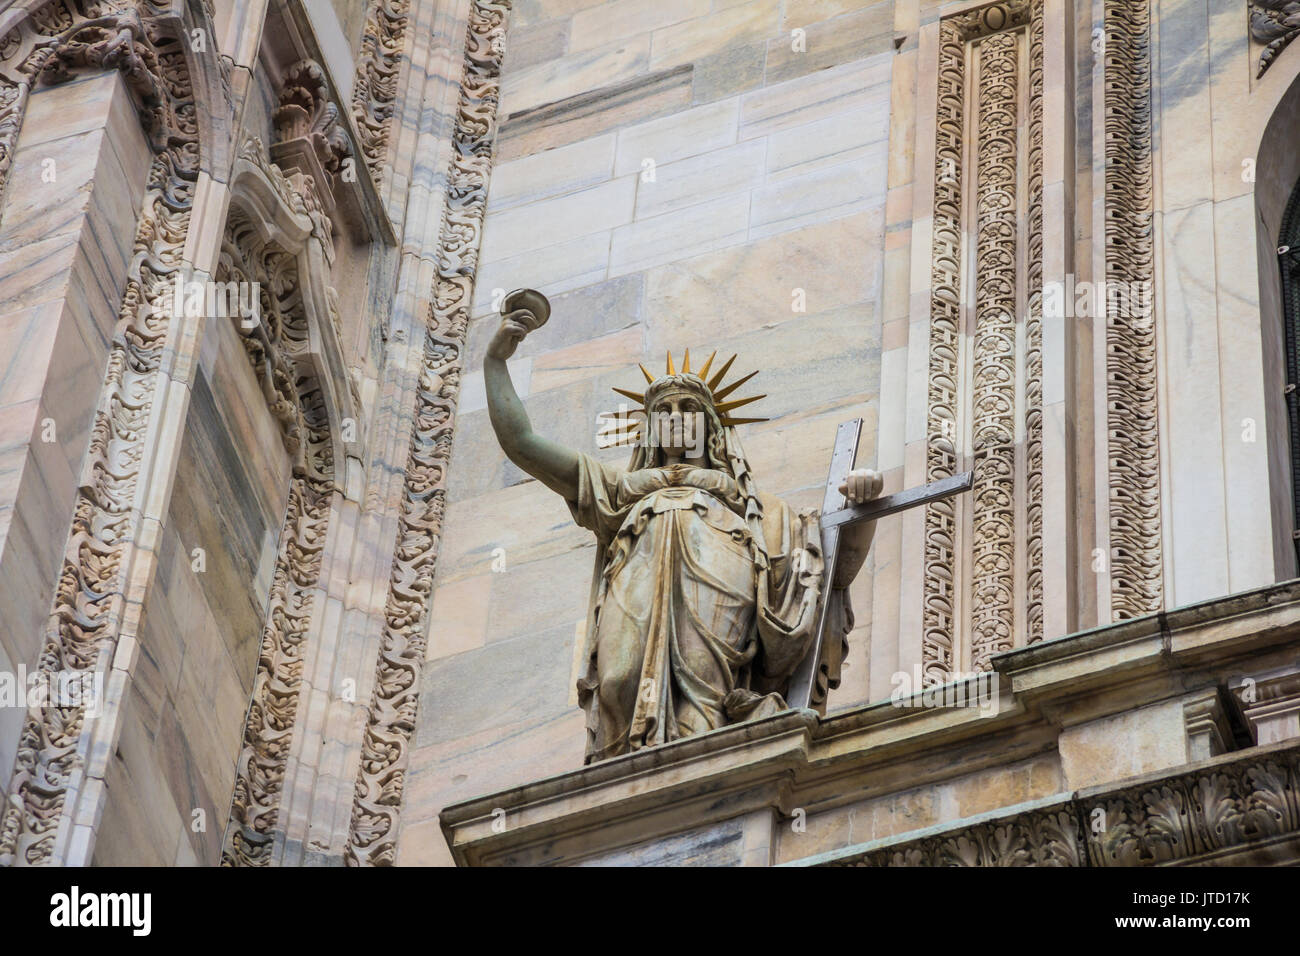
{"x": 797, "y": 760}
{"x": 1237, "y": 809}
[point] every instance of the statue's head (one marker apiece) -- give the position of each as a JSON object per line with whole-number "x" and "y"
{"x": 683, "y": 414}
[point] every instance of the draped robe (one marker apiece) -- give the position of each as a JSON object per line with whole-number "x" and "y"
{"x": 704, "y": 602}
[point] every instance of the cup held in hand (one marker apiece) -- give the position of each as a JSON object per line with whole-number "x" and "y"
{"x": 531, "y": 300}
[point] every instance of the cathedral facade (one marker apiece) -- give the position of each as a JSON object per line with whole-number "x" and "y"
{"x": 272, "y": 593}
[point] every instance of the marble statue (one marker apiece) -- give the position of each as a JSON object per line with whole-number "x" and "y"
{"x": 706, "y": 590}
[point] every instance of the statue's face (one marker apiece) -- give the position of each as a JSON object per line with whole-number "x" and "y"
{"x": 680, "y": 425}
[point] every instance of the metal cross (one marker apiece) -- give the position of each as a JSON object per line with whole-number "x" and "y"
{"x": 834, "y": 517}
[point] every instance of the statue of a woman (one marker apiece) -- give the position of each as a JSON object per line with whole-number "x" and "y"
{"x": 706, "y": 592}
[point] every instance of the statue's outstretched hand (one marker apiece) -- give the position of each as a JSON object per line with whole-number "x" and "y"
{"x": 514, "y": 326}
{"x": 861, "y": 485}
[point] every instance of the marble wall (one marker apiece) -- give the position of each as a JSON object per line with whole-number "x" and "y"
{"x": 672, "y": 176}
{"x": 185, "y": 712}
{"x": 65, "y": 240}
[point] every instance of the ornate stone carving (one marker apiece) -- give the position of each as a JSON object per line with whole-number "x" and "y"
{"x": 268, "y": 729}
{"x": 306, "y": 112}
{"x": 372, "y": 839}
{"x": 68, "y": 37}
{"x": 58, "y": 749}
{"x": 1036, "y": 839}
{"x": 939, "y": 613}
{"x": 1136, "y": 585}
{"x": 1274, "y": 23}
{"x": 1000, "y": 35}
{"x": 993, "y": 385}
{"x": 278, "y": 348}
{"x": 1232, "y": 806}
{"x": 374, "y": 93}
{"x": 1034, "y": 345}
{"x": 1194, "y": 814}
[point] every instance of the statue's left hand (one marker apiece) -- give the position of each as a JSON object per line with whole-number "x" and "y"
{"x": 861, "y": 485}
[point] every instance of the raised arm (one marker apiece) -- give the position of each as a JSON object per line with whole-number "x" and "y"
{"x": 550, "y": 463}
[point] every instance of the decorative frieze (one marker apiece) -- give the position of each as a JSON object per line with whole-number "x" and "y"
{"x": 983, "y": 558}
{"x": 1133, "y": 456}
{"x": 372, "y": 839}
{"x": 60, "y": 751}
{"x": 278, "y": 347}
{"x": 1232, "y": 809}
{"x": 1274, "y": 23}
{"x": 374, "y": 93}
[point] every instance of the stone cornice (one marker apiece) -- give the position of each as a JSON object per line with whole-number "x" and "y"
{"x": 797, "y": 759}
{"x": 1241, "y": 808}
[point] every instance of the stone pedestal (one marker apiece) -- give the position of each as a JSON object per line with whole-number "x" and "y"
{"x": 1093, "y": 720}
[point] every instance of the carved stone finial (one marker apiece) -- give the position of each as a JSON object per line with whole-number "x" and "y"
{"x": 306, "y": 112}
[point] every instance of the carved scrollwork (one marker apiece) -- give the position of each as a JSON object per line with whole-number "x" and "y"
{"x": 143, "y": 41}
{"x": 374, "y": 93}
{"x": 1048, "y": 838}
{"x": 993, "y": 385}
{"x": 1001, "y": 34}
{"x": 306, "y": 112}
{"x": 1251, "y": 800}
{"x": 372, "y": 839}
{"x": 1136, "y": 582}
{"x": 1235, "y": 805}
{"x": 278, "y": 346}
{"x": 1274, "y": 23}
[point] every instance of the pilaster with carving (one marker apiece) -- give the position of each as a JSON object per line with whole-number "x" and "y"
{"x": 278, "y": 349}
{"x": 982, "y": 577}
{"x": 1133, "y": 455}
{"x": 374, "y": 93}
{"x": 63, "y": 755}
{"x": 373, "y": 833}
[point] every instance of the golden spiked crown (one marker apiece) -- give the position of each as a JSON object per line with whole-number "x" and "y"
{"x": 627, "y": 424}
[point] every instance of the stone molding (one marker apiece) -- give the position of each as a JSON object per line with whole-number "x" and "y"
{"x": 372, "y": 836}
{"x": 270, "y": 236}
{"x": 800, "y": 760}
{"x": 1241, "y": 808}
{"x": 374, "y": 92}
{"x": 1132, "y": 425}
{"x": 55, "y": 793}
{"x": 981, "y": 606}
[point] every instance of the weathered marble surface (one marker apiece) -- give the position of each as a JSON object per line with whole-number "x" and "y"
{"x": 65, "y": 245}
{"x": 883, "y": 776}
{"x": 763, "y": 184}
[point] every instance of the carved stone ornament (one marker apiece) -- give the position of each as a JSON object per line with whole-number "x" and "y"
{"x": 372, "y": 837}
{"x": 306, "y": 112}
{"x": 62, "y": 756}
{"x": 276, "y": 238}
{"x": 1231, "y": 809}
{"x": 1274, "y": 23}
{"x": 1132, "y": 396}
{"x": 979, "y": 606}
{"x": 374, "y": 92}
